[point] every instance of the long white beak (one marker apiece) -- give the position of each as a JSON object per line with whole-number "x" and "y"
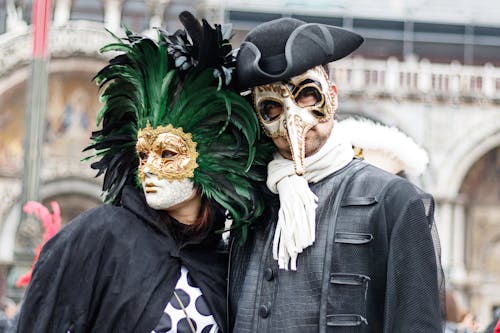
{"x": 296, "y": 132}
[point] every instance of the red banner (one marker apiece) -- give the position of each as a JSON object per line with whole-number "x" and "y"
{"x": 40, "y": 18}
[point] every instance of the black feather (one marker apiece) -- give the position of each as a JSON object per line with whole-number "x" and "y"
{"x": 187, "y": 85}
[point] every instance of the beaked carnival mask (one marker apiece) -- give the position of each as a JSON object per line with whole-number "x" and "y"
{"x": 281, "y": 115}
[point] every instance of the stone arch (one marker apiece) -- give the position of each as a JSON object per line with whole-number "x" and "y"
{"x": 72, "y": 102}
{"x": 73, "y": 49}
{"x": 57, "y": 187}
{"x": 76, "y": 64}
{"x": 480, "y": 199}
{"x": 74, "y": 39}
{"x": 489, "y": 254}
{"x": 461, "y": 158}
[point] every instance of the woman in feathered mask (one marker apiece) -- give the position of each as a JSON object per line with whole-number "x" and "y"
{"x": 181, "y": 155}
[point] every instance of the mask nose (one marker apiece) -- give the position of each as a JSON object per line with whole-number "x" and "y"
{"x": 296, "y": 134}
{"x": 146, "y": 169}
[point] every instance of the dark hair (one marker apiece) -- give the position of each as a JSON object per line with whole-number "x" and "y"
{"x": 199, "y": 229}
{"x": 203, "y": 221}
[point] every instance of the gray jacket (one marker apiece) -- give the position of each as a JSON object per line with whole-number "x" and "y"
{"x": 372, "y": 268}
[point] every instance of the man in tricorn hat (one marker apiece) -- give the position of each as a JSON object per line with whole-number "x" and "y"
{"x": 350, "y": 248}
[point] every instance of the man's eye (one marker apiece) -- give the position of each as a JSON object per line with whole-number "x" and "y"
{"x": 143, "y": 155}
{"x": 318, "y": 113}
{"x": 168, "y": 154}
{"x": 309, "y": 96}
{"x": 270, "y": 110}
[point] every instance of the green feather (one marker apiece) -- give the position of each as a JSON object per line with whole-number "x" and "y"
{"x": 142, "y": 85}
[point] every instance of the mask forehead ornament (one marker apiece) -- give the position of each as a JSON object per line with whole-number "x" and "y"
{"x": 167, "y": 152}
{"x": 291, "y": 108}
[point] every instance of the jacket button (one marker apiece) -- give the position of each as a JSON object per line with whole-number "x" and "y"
{"x": 268, "y": 274}
{"x": 264, "y": 310}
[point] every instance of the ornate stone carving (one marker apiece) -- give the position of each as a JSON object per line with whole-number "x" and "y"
{"x": 10, "y": 189}
{"x": 74, "y": 38}
{"x": 28, "y": 236}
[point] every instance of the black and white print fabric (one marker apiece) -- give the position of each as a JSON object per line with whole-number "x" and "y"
{"x": 174, "y": 318}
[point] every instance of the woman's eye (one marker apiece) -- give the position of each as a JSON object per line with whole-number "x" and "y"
{"x": 309, "y": 96}
{"x": 270, "y": 110}
{"x": 143, "y": 155}
{"x": 168, "y": 154}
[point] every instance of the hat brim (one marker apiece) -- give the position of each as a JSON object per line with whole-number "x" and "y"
{"x": 308, "y": 46}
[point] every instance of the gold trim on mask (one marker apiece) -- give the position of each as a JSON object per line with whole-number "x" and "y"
{"x": 276, "y": 87}
{"x": 328, "y": 103}
{"x": 167, "y": 152}
{"x": 306, "y": 100}
{"x": 297, "y": 142}
{"x": 323, "y": 110}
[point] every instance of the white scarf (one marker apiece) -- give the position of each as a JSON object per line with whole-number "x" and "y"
{"x": 296, "y": 227}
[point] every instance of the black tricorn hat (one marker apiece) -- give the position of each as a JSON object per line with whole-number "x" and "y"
{"x": 280, "y": 49}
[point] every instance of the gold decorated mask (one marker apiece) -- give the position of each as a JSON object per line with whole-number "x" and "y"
{"x": 281, "y": 110}
{"x": 167, "y": 152}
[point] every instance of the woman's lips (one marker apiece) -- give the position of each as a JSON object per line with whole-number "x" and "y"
{"x": 150, "y": 188}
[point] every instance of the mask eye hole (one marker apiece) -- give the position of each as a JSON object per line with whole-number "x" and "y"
{"x": 318, "y": 114}
{"x": 168, "y": 154}
{"x": 270, "y": 110}
{"x": 309, "y": 96}
{"x": 143, "y": 155}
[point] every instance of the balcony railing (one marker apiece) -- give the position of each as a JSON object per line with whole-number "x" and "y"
{"x": 482, "y": 12}
{"x": 417, "y": 79}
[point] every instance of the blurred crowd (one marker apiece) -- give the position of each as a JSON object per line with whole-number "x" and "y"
{"x": 459, "y": 319}
{"x": 8, "y": 311}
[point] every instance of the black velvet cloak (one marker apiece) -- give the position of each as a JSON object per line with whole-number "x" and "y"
{"x": 114, "y": 269}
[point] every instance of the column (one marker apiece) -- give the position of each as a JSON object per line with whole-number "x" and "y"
{"x": 458, "y": 272}
{"x": 424, "y": 76}
{"x": 392, "y": 76}
{"x": 157, "y": 10}
{"x": 112, "y": 14}
{"x": 358, "y": 72}
{"x": 456, "y": 79}
{"x": 489, "y": 81}
{"x": 62, "y": 12}
{"x": 14, "y": 16}
{"x": 444, "y": 215}
{"x": 212, "y": 10}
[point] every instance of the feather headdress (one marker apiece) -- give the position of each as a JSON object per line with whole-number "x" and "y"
{"x": 173, "y": 81}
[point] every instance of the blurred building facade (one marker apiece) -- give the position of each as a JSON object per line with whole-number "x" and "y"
{"x": 431, "y": 69}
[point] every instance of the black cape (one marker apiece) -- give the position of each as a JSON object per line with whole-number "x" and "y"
{"x": 114, "y": 269}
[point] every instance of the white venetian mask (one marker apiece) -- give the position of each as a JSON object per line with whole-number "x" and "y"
{"x": 167, "y": 158}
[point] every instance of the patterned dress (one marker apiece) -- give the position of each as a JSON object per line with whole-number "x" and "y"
{"x": 186, "y": 302}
